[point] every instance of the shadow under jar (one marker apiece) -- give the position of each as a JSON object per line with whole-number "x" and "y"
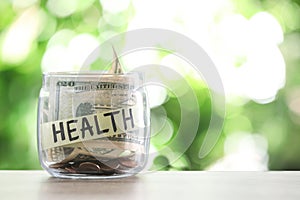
{"x": 93, "y": 125}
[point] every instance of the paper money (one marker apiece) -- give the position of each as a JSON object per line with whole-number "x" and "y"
{"x": 116, "y": 66}
{"x": 85, "y": 97}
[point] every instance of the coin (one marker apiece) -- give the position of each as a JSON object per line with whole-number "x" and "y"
{"x": 109, "y": 166}
{"x": 89, "y": 167}
{"x": 58, "y": 165}
{"x": 71, "y": 170}
{"x": 113, "y": 164}
{"x": 128, "y": 163}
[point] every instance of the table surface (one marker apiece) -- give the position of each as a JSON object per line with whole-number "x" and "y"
{"x": 155, "y": 185}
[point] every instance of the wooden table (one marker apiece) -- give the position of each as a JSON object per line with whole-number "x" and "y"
{"x": 155, "y": 185}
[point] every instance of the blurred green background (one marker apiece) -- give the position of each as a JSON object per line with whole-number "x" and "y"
{"x": 254, "y": 44}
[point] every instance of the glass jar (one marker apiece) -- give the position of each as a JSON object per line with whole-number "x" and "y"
{"x": 93, "y": 125}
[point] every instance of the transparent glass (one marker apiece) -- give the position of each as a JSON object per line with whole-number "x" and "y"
{"x": 93, "y": 125}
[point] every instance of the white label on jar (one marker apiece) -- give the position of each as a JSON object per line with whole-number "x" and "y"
{"x": 90, "y": 127}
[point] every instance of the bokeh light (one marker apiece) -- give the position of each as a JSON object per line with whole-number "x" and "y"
{"x": 20, "y": 36}
{"x": 243, "y": 152}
